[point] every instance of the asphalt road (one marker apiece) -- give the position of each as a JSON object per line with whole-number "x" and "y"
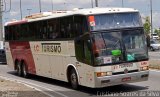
{"x": 62, "y": 89}
{"x": 154, "y": 55}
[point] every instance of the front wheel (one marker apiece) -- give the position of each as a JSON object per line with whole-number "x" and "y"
{"x": 73, "y": 79}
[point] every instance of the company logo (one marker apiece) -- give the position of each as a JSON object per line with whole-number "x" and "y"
{"x": 36, "y": 48}
{"x": 51, "y": 47}
{"x": 125, "y": 71}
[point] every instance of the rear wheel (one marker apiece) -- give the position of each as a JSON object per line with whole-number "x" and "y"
{"x": 19, "y": 69}
{"x": 73, "y": 79}
{"x": 24, "y": 70}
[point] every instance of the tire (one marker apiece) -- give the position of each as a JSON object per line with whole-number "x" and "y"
{"x": 19, "y": 69}
{"x": 74, "y": 79}
{"x": 24, "y": 71}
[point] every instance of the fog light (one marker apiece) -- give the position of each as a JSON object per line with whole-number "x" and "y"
{"x": 145, "y": 75}
{"x": 105, "y": 81}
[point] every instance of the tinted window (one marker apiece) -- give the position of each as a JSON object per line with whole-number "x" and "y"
{"x": 80, "y": 25}
{"x": 114, "y": 21}
{"x": 59, "y": 28}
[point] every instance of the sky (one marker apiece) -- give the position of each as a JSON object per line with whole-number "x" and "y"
{"x": 32, "y": 6}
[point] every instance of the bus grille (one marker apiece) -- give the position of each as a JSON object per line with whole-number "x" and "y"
{"x": 131, "y": 71}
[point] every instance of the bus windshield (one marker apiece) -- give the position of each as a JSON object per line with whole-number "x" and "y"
{"x": 122, "y": 46}
{"x": 114, "y": 21}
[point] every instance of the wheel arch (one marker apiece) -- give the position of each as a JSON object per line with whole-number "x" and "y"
{"x": 69, "y": 67}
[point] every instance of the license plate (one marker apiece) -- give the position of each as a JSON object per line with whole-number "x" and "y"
{"x": 126, "y": 79}
{"x": 126, "y": 65}
{"x": 122, "y": 66}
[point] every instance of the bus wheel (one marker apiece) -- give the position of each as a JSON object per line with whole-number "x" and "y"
{"x": 73, "y": 79}
{"x": 19, "y": 69}
{"x": 24, "y": 70}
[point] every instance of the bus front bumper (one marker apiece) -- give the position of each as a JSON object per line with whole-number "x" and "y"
{"x": 122, "y": 79}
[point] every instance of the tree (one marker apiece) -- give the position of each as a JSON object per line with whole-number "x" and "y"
{"x": 157, "y": 31}
{"x": 147, "y": 25}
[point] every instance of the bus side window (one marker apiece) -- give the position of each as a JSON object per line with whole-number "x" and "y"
{"x": 80, "y": 25}
{"x": 66, "y": 26}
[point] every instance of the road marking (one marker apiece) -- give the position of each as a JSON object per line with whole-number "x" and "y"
{"x": 29, "y": 84}
{"x": 155, "y": 71}
{"x": 39, "y": 90}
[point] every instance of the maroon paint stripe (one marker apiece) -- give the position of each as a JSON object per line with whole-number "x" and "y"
{"x": 22, "y": 51}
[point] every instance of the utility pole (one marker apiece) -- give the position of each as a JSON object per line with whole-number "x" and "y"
{"x": 20, "y": 8}
{"x": 92, "y": 3}
{"x": 40, "y": 9}
{"x": 96, "y": 3}
{"x": 52, "y": 5}
{"x": 1, "y": 24}
{"x": 122, "y": 3}
{"x": 151, "y": 17}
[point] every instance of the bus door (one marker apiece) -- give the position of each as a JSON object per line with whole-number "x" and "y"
{"x": 84, "y": 59}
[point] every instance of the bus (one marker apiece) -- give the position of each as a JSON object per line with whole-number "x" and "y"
{"x": 94, "y": 47}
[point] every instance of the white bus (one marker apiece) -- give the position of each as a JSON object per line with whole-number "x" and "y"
{"x": 96, "y": 47}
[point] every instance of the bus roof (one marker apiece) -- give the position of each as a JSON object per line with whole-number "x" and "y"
{"x": 76, "y": 11}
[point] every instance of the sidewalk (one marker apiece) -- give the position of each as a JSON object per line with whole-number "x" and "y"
{"x": 14, "y": 89}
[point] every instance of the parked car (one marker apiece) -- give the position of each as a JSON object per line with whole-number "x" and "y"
{"x": 155, "y": 36}
{"x": 2, "y": 56}
{"x": 154, "y": 45}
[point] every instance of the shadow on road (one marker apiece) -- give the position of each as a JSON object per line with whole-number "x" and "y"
{"x": 3, "y": 63}
{"x": 86, "y": 90}
{"x": 112, "y": 89}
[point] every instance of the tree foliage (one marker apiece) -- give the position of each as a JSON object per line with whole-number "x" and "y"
{"x": 157, "y": 31}
{"x": 147, "y": 25}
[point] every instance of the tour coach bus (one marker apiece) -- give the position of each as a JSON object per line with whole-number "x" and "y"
{"x": 95, "y": 47}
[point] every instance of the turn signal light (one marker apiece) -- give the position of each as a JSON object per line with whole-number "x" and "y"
{"x": 144, "y": 68}
{"x": 101, "y": 74}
